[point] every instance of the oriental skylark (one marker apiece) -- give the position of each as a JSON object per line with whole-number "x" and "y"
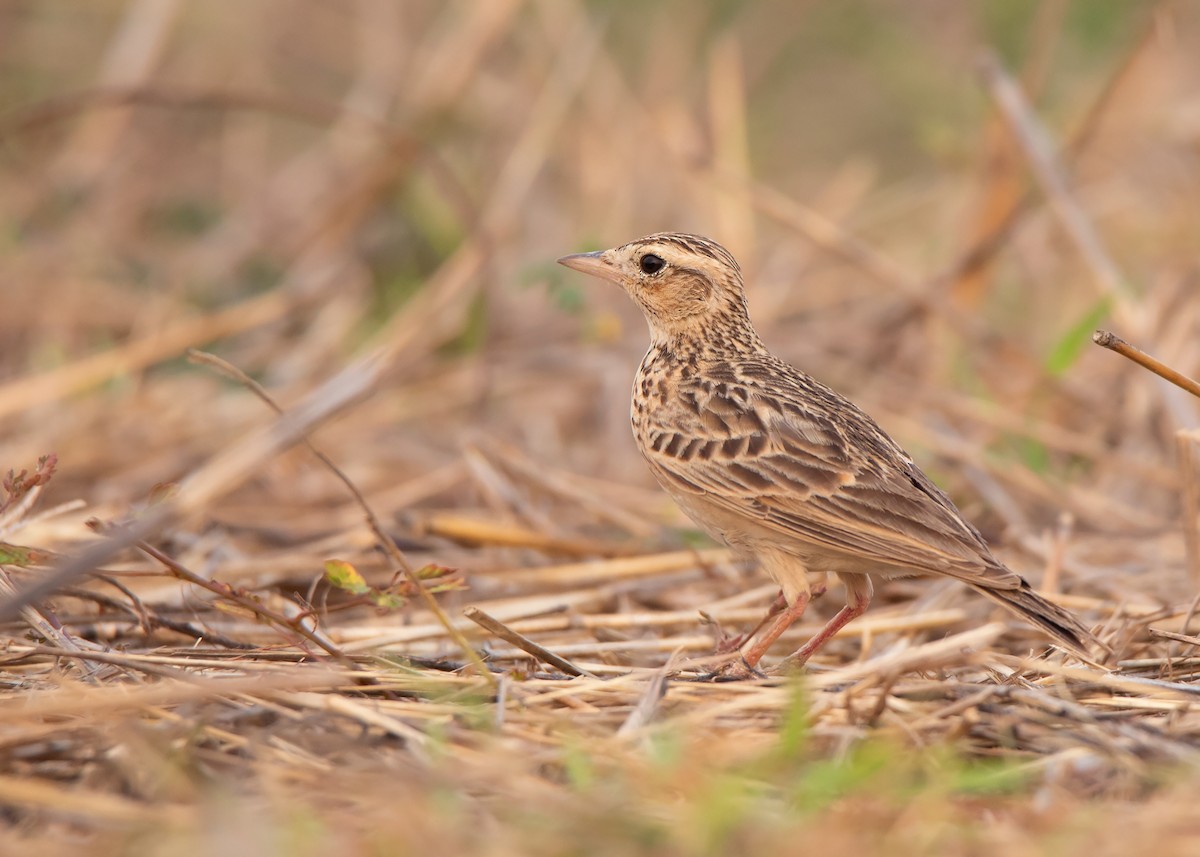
{"x": 779, "y": 466}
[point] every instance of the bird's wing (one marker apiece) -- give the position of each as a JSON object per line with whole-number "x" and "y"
{"x": 806, "y": 463}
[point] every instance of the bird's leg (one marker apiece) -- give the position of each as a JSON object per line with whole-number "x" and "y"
{"x": 781, "y": 623}
{"x": 773, "y": 633}
{"x": 858, "y": 595}
{"x": 784, "y": 617}
{"x": 727, "y": 644}
{"x": 732, "y": 644}
{"x": 746, "y": 666}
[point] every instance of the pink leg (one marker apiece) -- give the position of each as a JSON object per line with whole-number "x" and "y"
{"x": 781, "y": 623}
{"x": 858, "y": 596}
{"x": 776, "y": 621}
{"x": 745, "y": 666}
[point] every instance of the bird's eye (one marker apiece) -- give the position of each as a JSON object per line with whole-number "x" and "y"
{"x": 651, "y": 264}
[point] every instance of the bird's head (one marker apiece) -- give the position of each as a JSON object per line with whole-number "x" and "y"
{"x": 685, "y": 284}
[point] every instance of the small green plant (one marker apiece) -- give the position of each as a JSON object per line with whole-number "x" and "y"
{"x": 1070, "y": 345}
{"x": 344, "y": 576}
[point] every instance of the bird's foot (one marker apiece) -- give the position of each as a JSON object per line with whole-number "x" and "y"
{"x": 735, "y": 670}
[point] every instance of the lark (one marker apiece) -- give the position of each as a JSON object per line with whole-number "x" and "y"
{"x": 780, "y": 467}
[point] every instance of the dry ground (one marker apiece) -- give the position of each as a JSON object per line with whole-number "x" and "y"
{"x": 357, "y": 206}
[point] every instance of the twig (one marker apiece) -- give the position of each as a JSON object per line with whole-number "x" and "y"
{"x": 1109, "y": 340}
{"x": 726, "y": 90}
{"x": 1189, "y": 463}
{"x": 363, "y": 638}
{"x": 474, "y": 531}
{"x": 46, "y": 625}
{"x": 829, "y": 236}
{"x": 385, "y": 541}
{"x": 1056, "y": 550}
{"x": 1043, "y": 158}
{"x": 228, "y": 593}
{"x": 576, "y": 488}
{"x": 148, "y": 619}
{"x": 51, "y": 385}
{"x": 986, "y": 246}
{"x": 649, "y": 702}
{"x": 133, "y": 54}
{"x": 613, "y": 569}
{"x": 220, "y": 474}
{"x": 119, "y": 660}
{"x": 522, "y": 642}
{"x": 28, "y": 118}
{"x": 89, "y": 805}
{"x": 357, "y": 710}
{"x": 1125, "y": 684}
{"x": 1190, "y": 639}
{"x": 75, "y": 701}
{"x": 926, "y": 656}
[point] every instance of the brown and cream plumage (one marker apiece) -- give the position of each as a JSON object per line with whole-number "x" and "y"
{"x": 778, "y": 465}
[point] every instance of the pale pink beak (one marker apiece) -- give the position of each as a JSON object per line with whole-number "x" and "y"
{"x": 594, "y": 263}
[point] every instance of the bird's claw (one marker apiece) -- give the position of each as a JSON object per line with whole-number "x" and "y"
{"x": 735, "y": 670}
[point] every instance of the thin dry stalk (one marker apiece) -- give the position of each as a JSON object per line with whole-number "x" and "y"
{"x": 401, "y": 175}
{"x": 649, "y": 703}
{"x": 52, "y": 385}
{"x": 99, "y": 808}
{"x": 130, "y": 60}
{"x": 221, "y": 473}
{"x": 1188, "y": 444}
{"x": 731, "y": 206}
{"x": 1042, "y": 155}
{"x": 990, "y": 242}
{"x": 278, "y": 620}
{"x": 490, "y": 623}
{"x": 614, "y": 569}
{"x": 1108, "y": 339}
{"x": 386, "y": 542}
{"x": 354, "y": 710}
{"x": 1059, "y": 539}
{"x": 75, "y": 701}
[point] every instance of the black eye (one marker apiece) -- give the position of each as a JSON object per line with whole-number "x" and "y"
{"x": 651, "y": 264}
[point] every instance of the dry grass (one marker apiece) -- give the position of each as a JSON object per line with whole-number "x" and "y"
{"x": 356, "y": 205}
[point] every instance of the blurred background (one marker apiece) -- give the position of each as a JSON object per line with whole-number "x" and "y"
{"x": 289, "y": 183}
{"x": 935, "y": 204}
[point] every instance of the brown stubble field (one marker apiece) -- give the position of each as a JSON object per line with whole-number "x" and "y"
{"x": 264, "y": 629}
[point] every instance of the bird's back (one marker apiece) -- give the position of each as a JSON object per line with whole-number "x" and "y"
{"x": 755, "y": 449}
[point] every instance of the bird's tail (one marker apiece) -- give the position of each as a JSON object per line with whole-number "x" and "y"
{"x": 1051, "y": 618}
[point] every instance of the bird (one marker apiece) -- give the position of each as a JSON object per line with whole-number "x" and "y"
{"x": 780, "y": 467}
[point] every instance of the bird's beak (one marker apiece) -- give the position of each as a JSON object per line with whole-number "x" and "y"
{"x": 594, "y": 263}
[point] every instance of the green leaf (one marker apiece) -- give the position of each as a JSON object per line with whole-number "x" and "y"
{"x": 344, "y": 576}
{"x": 22, "y": 557}
{"x": 387, "y": 600}
{"x": 433, "y": 571}
{"x": 1068, "y": 348}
